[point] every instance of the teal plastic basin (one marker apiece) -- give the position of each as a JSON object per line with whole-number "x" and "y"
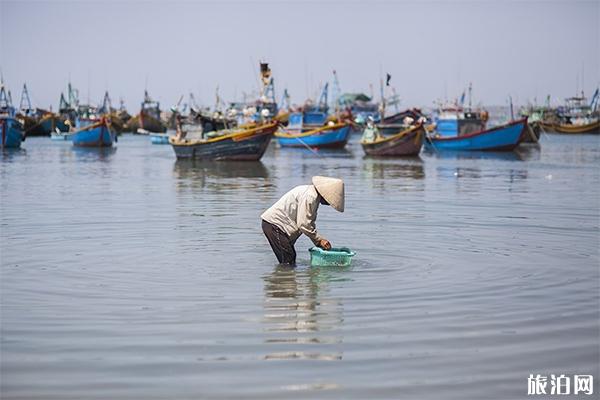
{"x": 336, "y": 257}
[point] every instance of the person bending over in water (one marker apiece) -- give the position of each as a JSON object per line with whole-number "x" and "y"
{"x": 295, "y": 213}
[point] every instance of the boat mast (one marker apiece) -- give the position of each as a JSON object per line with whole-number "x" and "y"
{"x": 25, "y": 104}
{"x": 382, "y": 108}
{"x": 285, "y": 100}
{"x": 335, "y": 92}
{"x": 106, "y": 104}
{"x": 322, "y": 103}
{"x": 73, "y": 97}
{"x": 267, "y": 90}
{"x": 470, "y": 95}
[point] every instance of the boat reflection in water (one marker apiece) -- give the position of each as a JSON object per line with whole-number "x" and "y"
{"x": 400, "y": 171}
{"x": 220, "y": 175}
{"x": 93, "y": 154}
{"x": 311, "y": 152}
{"x": 522, "y": 153}
{"x": 302, "y": 320}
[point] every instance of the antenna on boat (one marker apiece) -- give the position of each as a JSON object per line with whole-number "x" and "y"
{"x": 582, "y": 79}
{"x": 88, "y": 87}
{"x": 382, "y": 105}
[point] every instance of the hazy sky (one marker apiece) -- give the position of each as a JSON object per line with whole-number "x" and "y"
{"x": 432, "y": 49}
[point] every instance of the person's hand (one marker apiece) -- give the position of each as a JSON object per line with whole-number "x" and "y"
{"x": 324, "y": 244}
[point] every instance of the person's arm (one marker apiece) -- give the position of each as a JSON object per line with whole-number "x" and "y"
{"x": 306, "y": 217}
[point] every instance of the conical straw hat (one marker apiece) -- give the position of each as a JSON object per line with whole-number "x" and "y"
{"x": 332, "y": 190}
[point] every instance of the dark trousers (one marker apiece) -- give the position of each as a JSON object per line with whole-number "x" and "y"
{"x": 280, "y": 242}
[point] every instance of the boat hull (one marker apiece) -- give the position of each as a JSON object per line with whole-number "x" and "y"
{"x": 12, "y": 134}
{"x": 96, "y": 135}
{"x": 31, "y": 126}
{"x": 242, "y": 147}
{"x": 500, "y": 138}
{"x": 532, "y": 133}
{"x": 51, "y": 123}
{"x": 593, "y": 127}
{"x": 151, "y": 124}
{"x": 332, "y": 139}
{"x": 406, "y": 143}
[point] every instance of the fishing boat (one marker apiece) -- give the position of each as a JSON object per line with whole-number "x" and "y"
{"x": 106, "y": 109}
{"x": 51, "y": 123}
{"x": 456, "y": 120}
{"x": 38, "y": 122}
{"x": 28, "y": 116}
{"x": 405, "y": 142}
{"x": 67, "y": 112}
{"x": 577, "y": 127}
{"x": 539, "y": 118}
{"x": 312, "y": 128}
{"x": 236, "y": 144}
{"x": 148, "y": 119}
{"x": 334, "y": 136}
{"x": 12, "y": 130}
{"x": 500, "y": 138}
{"x": 577, "y": 116}
{"x": 413, "y": 114}
{"x": 95, "y": 134}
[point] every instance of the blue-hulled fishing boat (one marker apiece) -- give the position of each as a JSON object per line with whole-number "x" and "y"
{"x": 456, "y": 120}
{"x": 329, "y": 136}
{"x": 310, "y": 129}
{"x": 500, "y": 138}
{"x": 97, "y": 134}
{"x": 12, "y": 131}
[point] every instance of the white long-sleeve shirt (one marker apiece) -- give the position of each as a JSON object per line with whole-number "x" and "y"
{"x": 296, "y": 212}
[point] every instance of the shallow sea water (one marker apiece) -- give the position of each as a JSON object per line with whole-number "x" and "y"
{"x": 126, "y": 274}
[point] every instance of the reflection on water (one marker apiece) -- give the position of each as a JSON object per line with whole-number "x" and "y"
{"x": 407, "y": 167}
{"x": 477, "y": 173}
{"x": 8, "y": 154}
{"x": 93, "y": 154}
{"x": 529, "y": 152}
{"x": 522, "y": 153}
{"x": 192, "y": 169}
{"x": 302, "y": 318}
{"x": 308, "y": 152}
{"x": 219, "y": 174}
